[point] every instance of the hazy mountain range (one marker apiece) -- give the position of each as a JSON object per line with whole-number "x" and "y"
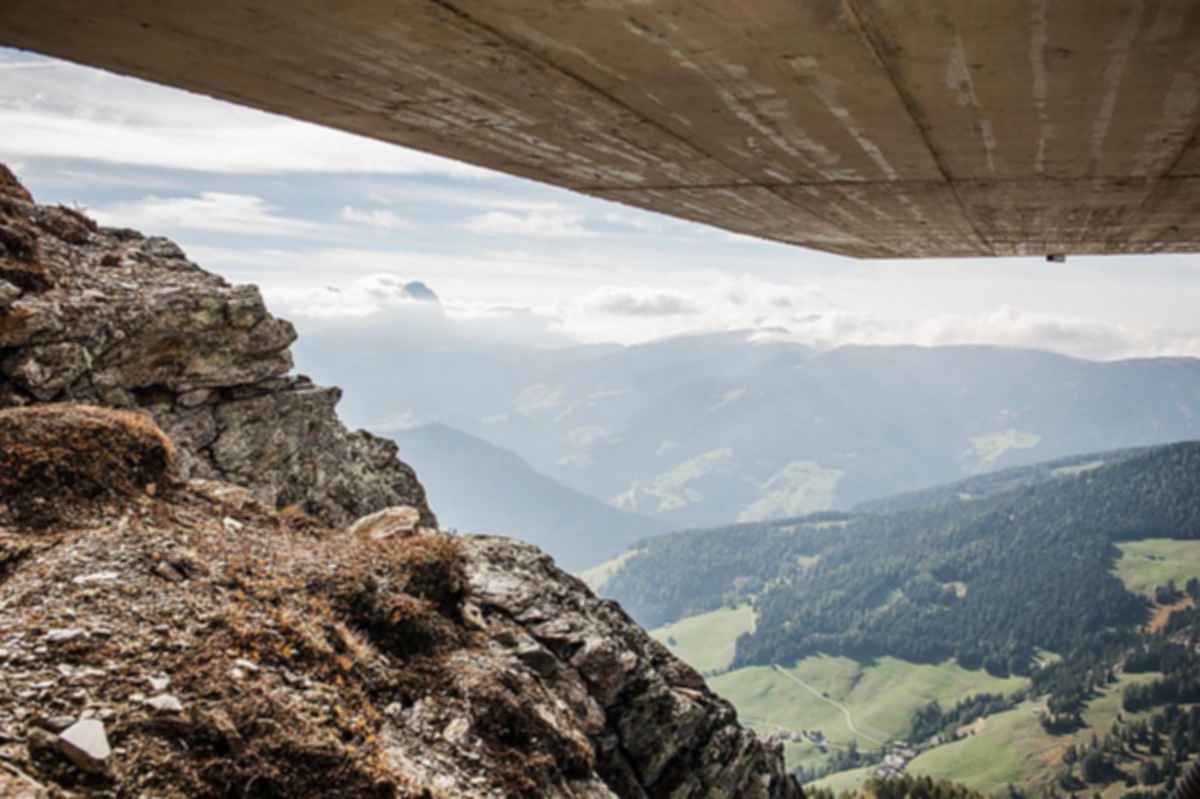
{"x": 483, "y": 488}
{"x": 710, "y": 429}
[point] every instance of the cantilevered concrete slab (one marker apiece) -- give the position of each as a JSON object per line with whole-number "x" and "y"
{"x": 872, "y": 128}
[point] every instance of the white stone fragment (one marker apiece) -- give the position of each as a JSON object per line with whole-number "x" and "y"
{"x": 165, "y": 703}
{"x": 98, "y": 577}
{"x": 62, "y": 636}
{"x": 86, "y": 745}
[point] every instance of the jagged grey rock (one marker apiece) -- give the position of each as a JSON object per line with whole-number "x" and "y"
{"x": 111, "y": 317}
{"x": 656, "y": 728}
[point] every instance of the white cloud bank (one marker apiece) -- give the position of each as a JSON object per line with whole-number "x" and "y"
{"x": 639, "y": 302}
{"x": 552, "y": 223}
{"x": 376, "y": 218}
{"x": 211, "y": 211}
{"x": 764, "y": 311}
{"x": 803, "y": 314}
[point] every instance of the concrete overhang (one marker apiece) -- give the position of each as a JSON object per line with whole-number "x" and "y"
{"x": 870, "y": 128}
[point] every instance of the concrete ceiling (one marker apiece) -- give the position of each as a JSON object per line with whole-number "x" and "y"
{"x": 871, "y": 128}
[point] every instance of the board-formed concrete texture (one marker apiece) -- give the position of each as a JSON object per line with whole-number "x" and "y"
{"x": 871, "y": 128}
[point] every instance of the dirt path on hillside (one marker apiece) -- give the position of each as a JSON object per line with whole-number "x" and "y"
{"x": 1163, "y": 612}
{"x": 838, "y": 705}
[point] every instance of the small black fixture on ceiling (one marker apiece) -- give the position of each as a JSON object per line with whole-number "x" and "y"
{"x": 1056, "y": 258}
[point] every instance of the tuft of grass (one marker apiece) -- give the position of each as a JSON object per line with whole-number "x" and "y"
{"x": 55, "y": 459}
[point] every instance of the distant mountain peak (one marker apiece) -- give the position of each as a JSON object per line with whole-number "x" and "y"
{"x": 416, "y": 290}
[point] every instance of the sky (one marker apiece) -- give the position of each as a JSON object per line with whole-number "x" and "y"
{"x": 331, "y": 225}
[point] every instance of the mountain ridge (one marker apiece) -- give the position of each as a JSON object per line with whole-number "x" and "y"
{"x": 711, "y": 428}
{"x": 479, "y": 487}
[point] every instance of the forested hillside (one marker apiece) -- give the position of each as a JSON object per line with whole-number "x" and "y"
{"x": 991, "y": 582}
{"x": 999, "y": 482}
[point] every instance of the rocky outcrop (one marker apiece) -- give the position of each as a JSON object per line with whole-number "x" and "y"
{"x": 111, "y": 317}
{"x": 190, "y": 641}
{"x": 654, "y": 727}
{"x": 164, "y": 632}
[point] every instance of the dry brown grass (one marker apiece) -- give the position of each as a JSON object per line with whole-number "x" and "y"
{"x": 285, "y": 742}
{"x": 57, "y": 459}
{"x": 10, "y": 186}
{"x": 342, "y": 630}
{"x": 20, "y": 263}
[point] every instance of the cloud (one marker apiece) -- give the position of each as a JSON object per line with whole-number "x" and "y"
{"x": 1007, "y": 326}
{"x": 363, "y": 297}
{"x": 216, "y": 212}
{"x": 1004, "y": 326}
{"x": 558, "y": 223}
{"x": 639, "y": 302}
{"x": 376, "y": 218}
{"x": 372, "y": 314}
{"x": 468, "y": 197}
{"x": 54, "y": 109}
{"x": 644, "y": 222}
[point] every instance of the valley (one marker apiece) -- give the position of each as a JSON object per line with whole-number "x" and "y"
{"x": 1012, "y": 747}
{"x": 1120, "y": 530}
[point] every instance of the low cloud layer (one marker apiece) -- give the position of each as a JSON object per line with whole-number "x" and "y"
{"x": 374, "y": 307}
{"x": 552, "y": 223}
{"x": 639, "y": 302}
{"x": 215, "y": 212}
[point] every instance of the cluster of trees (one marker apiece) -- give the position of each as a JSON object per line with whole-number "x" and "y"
{"x": 1151, "y": 754}
{"x": 904, "y": 786}
{"x": 1069, "y": 684}
{"x": 998, "y": 482}
{"x": 932, "y": 719}
{"x": 1173, "y": 689}
{"x": 1159, "y": 653}
{"x": 1170, "y": 593}
{"x": 840, "y": 760}
{"x": 1173, "y": 653}
{"x": 695, "y": 571}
